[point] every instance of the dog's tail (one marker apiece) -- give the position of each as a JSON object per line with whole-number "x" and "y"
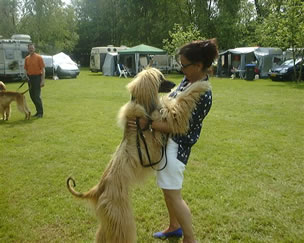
{"x": 71, "y": 189}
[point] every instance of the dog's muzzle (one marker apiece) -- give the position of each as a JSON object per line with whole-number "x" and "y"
{"x": 165, "y": 86}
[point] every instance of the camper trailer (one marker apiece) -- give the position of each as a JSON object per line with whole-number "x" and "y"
{"x": 12, "y": 54}
{"x": 98, "y": 55}
{"x": 237, "y": 59}
{"x": 163, "y": 62}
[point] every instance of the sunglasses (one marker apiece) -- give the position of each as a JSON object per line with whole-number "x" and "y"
{"x": 183, "y": 66}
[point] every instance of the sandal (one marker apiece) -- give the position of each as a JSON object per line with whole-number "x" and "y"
{"x": 176, "y": 233}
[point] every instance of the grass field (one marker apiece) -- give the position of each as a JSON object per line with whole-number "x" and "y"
{"x": 244, "y": 181}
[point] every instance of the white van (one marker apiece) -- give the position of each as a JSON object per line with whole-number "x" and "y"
{"x": 12, "y": 54}
{"x": 98, "y": 55}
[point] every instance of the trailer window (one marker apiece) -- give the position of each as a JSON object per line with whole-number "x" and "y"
{"x": 9, "y": 54}
{"x": 24, "y": 54}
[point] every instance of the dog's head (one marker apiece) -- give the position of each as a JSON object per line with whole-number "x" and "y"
{"x": 2, "y": 86}
{"x": 145, "y": 86}
{"x": 165, "y": 86}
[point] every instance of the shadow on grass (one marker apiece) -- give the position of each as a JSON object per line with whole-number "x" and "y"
{"x": 173, "y": 240}
{"x": 298, "y": 86}
{"x": 16, "y": 123}
{"x": 290, "y": 84}
{"x": 95, "y": 74}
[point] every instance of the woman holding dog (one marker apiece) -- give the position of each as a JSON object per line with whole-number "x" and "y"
{"x": 195, "y": 60}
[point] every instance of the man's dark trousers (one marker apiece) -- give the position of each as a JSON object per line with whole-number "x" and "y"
{"x": 35, "y": 92}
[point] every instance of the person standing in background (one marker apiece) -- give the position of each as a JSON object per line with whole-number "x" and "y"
{"x": 35, "y": 70}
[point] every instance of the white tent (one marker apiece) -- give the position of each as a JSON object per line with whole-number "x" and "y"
{"x": 63, "y": 59}
{"x": 267, "y": 59}
{"x": 109, "y": 67}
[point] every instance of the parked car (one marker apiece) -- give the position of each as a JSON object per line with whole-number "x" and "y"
{"x": 49, "y": 66}
{"x": 67, "y": 70}
{"x": 285, "y": 72}
{"x": 64, "y": 66}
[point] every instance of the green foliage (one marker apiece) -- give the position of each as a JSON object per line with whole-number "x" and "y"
{"x": 284, "y": 27}
{"x": 243, "y": 182}
{"x": 129, "y": 23}
{"x": 180, "y": 36}
{"x": 227, "y": 19}
{"x": 126, "y": 23}
{"x": 77, "y": 28}
{"x": 8, "y": 17}
{"x": 246, "y": 26}
{"x": 52, "y": 27}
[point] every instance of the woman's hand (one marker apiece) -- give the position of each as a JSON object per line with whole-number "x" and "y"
{"x": 132, "y": 124}
{"x": 143, "y": 123}
{"x": 42, "y": 82}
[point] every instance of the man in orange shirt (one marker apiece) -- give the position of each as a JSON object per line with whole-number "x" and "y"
{"x": 35, "y": 71}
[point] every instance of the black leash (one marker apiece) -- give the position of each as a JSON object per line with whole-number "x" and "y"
{"x": 22, "y": 84}
{"x": 140, "y": 135}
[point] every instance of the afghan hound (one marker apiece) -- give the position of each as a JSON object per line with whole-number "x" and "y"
{"x": 7, "y": 97}
{"x": 110, "y": 196}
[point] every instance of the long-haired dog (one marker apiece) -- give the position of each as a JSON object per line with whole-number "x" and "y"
{"x": 110, "y": 196}
{"x": 7, "y": 97}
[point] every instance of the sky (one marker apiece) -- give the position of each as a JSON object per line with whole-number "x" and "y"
{"x": 66, "y": 1}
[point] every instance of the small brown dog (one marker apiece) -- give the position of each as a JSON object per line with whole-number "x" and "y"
{"x": 7, "y": 97}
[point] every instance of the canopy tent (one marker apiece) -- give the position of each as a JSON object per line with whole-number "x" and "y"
{"x": 264, "y": 58}
{"x": 137, "y": 57}
{"x": 109, "y": 67}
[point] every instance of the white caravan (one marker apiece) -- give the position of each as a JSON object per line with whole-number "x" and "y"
{"x": 98, "y": 55}
{"x": 12, "y": 54}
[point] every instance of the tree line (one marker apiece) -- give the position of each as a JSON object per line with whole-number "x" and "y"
{"x": 55, "y": 26}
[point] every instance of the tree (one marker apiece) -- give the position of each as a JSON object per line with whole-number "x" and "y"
{"x": 284, "y": 28}
{"x": 129, "y": 23}
{"x": 226, "y": 23}
{"x": 180, "y": 36}
{"x": 8, "y": 17}
{"x": 51, "y": 25}
{"x": 246, "y": 25}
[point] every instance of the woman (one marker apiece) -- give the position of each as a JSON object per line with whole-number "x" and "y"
{"x": 195, "y": 59}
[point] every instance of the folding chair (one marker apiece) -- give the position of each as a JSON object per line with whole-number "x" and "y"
{"x": 122, "y": 70}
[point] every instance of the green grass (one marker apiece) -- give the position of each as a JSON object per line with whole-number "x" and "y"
{"x": 244, "y": 180}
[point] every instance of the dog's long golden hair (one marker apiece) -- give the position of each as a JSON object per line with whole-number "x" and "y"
{"x": 177, "y": 112}
{"x": 110, "y": 196}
